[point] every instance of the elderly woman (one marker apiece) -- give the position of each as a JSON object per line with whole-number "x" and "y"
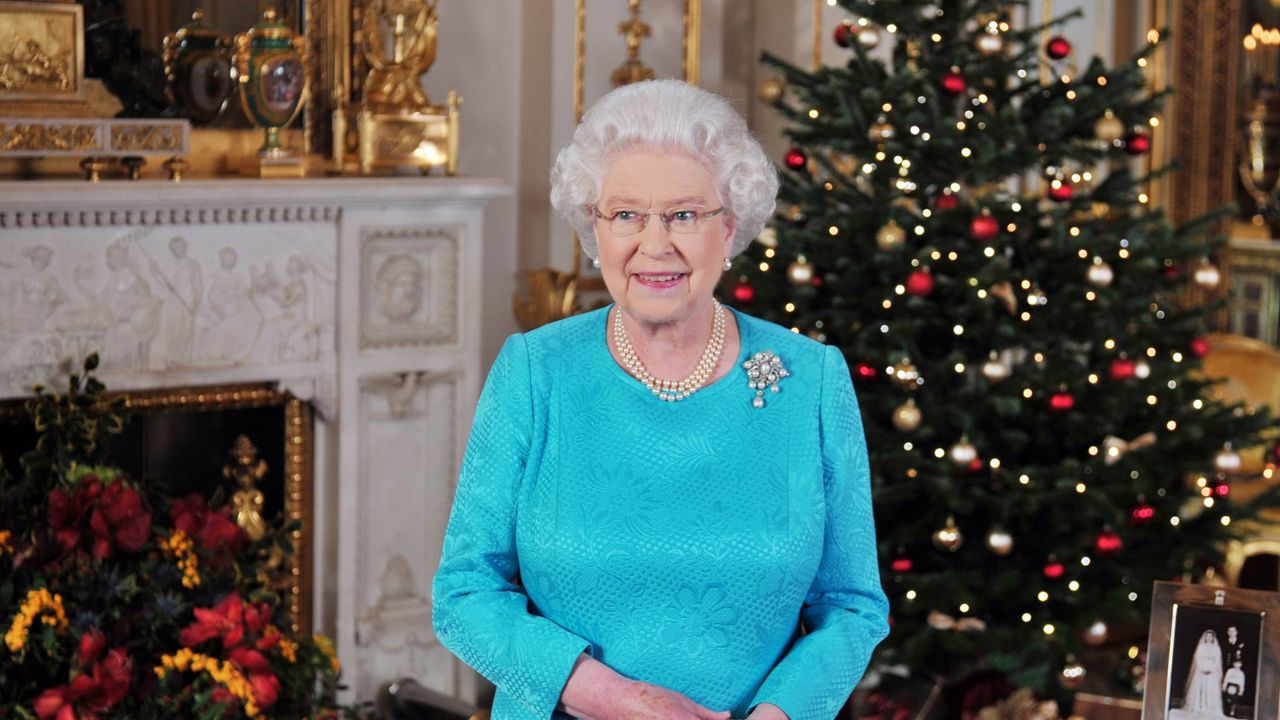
{"x": 664, "y": 508}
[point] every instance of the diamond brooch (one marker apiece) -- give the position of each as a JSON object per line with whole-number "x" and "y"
{"x": 764, "y": 370}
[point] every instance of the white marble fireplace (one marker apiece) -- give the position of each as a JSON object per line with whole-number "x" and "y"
{"x": 360, "y": 295}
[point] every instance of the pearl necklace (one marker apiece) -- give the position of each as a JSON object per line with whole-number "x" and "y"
{"x": 672, "y": 390}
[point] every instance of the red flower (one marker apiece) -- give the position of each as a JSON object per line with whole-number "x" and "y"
{"x": 64, "y": 519}
{"x": 212, "y": 529}
{"x": 249, "y": 659}
{"x": 116, "y": 516}
{"x": 266, "y": 688}
{"x": 88, "y": 696}
{"x": 92, "y": 643}
{"x": 129, "y": 520}
{"x": 224, "y": 620}
{"x": 111, "y": 675}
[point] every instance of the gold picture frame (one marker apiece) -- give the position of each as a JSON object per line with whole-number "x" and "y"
{"x": 41, "y": 52}
{"x": 1212, "y": 648}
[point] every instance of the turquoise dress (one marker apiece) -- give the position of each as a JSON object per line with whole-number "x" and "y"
{"x": 682, "y": 544}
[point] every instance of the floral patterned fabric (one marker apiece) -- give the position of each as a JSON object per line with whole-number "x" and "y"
{"x": 683, "y": 544}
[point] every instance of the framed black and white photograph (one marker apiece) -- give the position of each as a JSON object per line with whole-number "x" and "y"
{"x": 1212, "y": 654}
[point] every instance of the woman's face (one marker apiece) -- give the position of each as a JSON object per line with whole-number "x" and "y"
{"x": 657, "y": 276}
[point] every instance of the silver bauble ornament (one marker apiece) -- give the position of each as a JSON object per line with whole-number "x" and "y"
{"x": 907, "y": 417}
{"x": 868, "y": 36}
{"x": 1097, "y": 633}
{"x": 1141, "y": 369}
{"x": 1100, "y": 273}
{"x": 948, "y": 537}
{"x": 1227, "y": 460}
{"x": 1109, "y": 128}
{"x": 963, "y": 452}
{"x": 995, "y": 369}
{"x": 890, "y": 235}
{"x": 989, "y": 43}
{"x": 999, "y": 541}
{"x": 1206, "y": 275}
{"x": 800, "y": 272}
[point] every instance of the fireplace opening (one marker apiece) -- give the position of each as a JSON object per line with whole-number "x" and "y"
{"x": 206, "y": 439}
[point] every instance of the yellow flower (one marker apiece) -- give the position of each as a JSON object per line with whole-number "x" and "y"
{"x": 181, "y": 548}
{"x": 326, "y": 647}
{"x": 223, "y": 672}
{"x": 39, "y": 601}
{"x": 5, "y": 547}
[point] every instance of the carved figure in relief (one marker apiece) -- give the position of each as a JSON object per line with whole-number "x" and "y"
{"x": 399, "y": 286}
{"x": 39, "y": 293}
{"x": 184, "y": 288}
{"x": 229, "y": 322}
{"x": 289, "y": 331}
{"x": 245, "y": 471}
{"x": 130, "y": 313}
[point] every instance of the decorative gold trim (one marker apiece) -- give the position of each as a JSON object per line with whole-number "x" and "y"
{"x": 817, "y": 35}
{"x": 37, "y": 57}
{"x": 692, "y": 41}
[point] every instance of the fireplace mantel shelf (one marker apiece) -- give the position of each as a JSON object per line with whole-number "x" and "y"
{"x": 361, "y": 295}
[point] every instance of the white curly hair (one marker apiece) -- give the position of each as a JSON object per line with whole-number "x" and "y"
{"x": 674, "y": 116}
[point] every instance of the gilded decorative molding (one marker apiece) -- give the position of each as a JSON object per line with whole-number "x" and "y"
{"x": 147, "y": 137}
{"x": 39, "y": 137}
{"x": 144, "y": 217}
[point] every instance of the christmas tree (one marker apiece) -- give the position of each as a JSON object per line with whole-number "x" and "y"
{"x": 967, "y": 217}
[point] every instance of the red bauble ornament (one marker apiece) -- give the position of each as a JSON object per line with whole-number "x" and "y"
{"x": 901, "y": 564}
{"x": 1060, "y": 191}
{"x": 1058, "y": 47}
{"x": 920, "y": 282}
{"x": 1272, "y": 455}
{"x": 1054, "y": 570}
{"x": 1062, "y": 401}
{"x": 976, "y": 465}
{"x": 844, "y": 35}
{"x": 1172, "y": 272}
{"x": 946, "y": 201}
{"x": 1123, "y": 369}
{"x": 796, "y": 159}
{"x": 1221, "y": 488}
{"x": 1141, "y": 514}
{"x": 1108, "y": 542}
{"x": 744, "y": 293}
{"x": 983, "y": 228}
{"x": 866, "y": 371}
{"x": 953, "y": 82}
{"x": 1137, "y": 143}
{"x": 1200, "y": 346}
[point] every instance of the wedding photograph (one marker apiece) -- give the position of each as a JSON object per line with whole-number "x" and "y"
{"x": 1213, "y": 663}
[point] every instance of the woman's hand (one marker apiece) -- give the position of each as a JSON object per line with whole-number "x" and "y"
{"x": 595, "y": 691}
{"x": 767, "y": 711}
{"x": 642, "y": 701}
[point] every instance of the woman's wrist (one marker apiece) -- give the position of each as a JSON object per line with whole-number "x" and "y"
{"x": 767, "y": 711}
{"x": 593, "y": 689}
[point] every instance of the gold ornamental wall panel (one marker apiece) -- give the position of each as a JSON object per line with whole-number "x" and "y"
{"x": 41, "y": 51}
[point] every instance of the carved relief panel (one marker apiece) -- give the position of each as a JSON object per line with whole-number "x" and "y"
{"x": 408, "y": 286}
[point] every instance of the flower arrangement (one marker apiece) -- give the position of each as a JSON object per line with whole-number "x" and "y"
{"x": 117, "y": 601}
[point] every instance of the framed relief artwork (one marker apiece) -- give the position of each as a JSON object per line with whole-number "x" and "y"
{"x": 1213, "y": 654}
{"x": 41, "y": 51}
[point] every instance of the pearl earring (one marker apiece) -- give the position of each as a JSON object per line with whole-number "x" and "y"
{"x": 595, "y": 263}
{"x": 728, "y": 264}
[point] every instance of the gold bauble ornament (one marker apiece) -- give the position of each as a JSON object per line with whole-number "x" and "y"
{"x": 948, "y": 537}
{"x": 771, "y": 90}
{"x": 963, "y": 452}
{"x": 1072, "y": 675}
{"x": 1100, "y": 273}
{"x": 1227, "y": 460}
{"x": 890, "y": 235}
{"x": 795, "y": 214}
{"x": 907, "y": 417}
{"x": 844, "y": 163}
{"x": 1206, "y": 275}
{"x": 905, "y": 374}
{"x": 989, "y": 43}
{"x": 995, "y": 369}
{"x": 881, "y": 131}
{"x": 999, "y": 541}
{"x": 1097, "y": 633}
{"x": 800, "y": 272}
{"x": 1109, "y": 128}
{"x": 768, "y": 236}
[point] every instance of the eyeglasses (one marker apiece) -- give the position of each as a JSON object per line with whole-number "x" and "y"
{"x": 681, "y": 221}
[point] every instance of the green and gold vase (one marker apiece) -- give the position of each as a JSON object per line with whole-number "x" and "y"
{"x": 271, "y": 63}
{"x": 197, "y": 64}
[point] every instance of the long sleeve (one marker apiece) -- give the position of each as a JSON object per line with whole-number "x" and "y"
{"x": 479, "y": 613}
{"x": 845, "y": 611}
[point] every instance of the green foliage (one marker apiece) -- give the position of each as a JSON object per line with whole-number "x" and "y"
{"x": 1025, "y": 295}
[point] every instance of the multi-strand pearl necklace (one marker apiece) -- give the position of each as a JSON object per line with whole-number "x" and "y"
{"x": 672, "y": 390}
